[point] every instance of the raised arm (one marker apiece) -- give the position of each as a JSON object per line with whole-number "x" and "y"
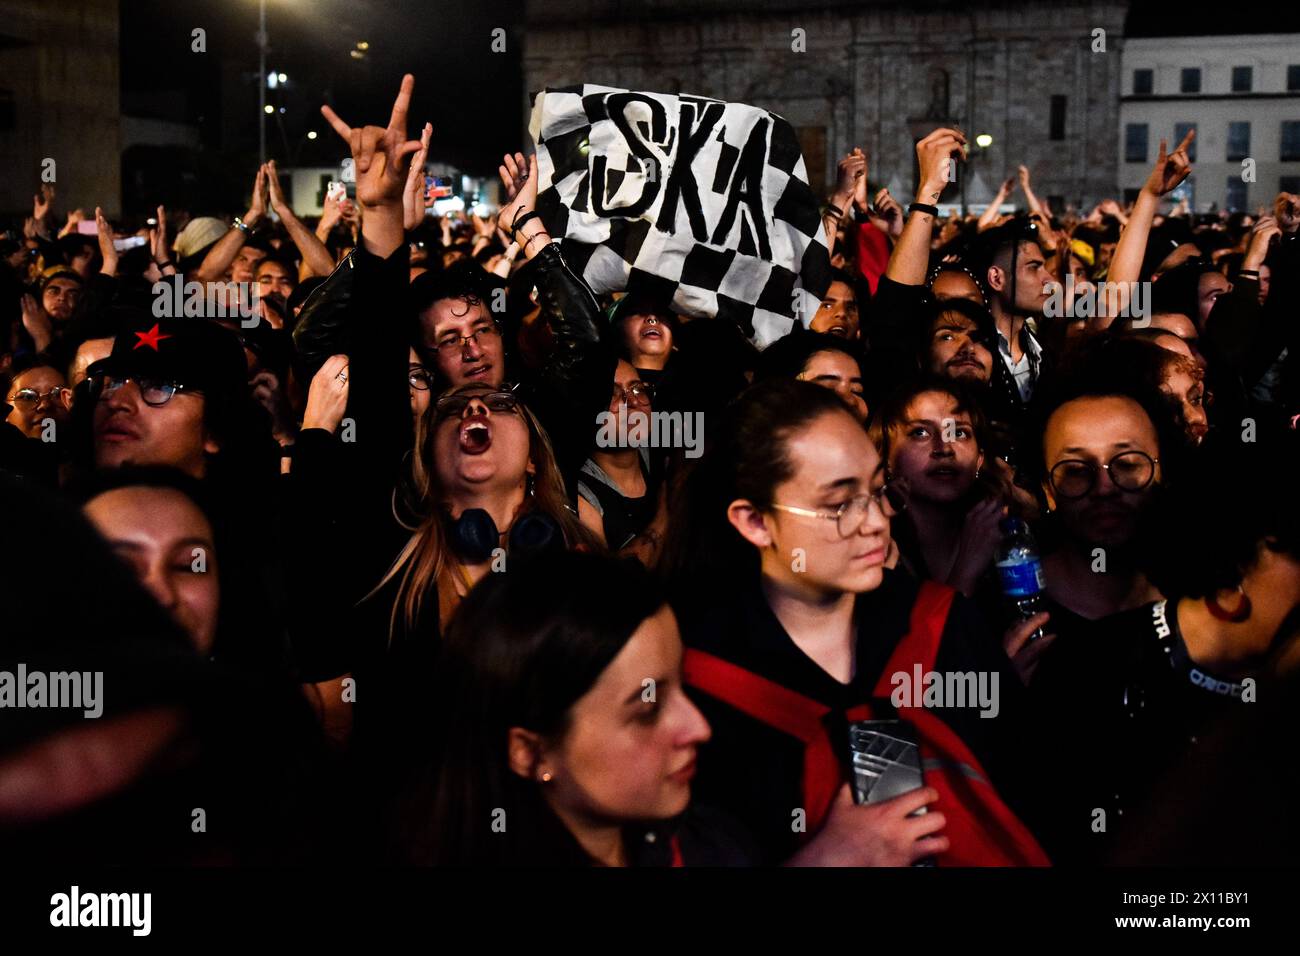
{"x": 314, "y": 253}
{"x": 911, "y": 256}
{"x": 382, "y": 158}
{"x": 223, "y": 253}
{"x": 1126, "y": 264}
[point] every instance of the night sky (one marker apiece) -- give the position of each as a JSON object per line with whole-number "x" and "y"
{"x": 471, "y": 96}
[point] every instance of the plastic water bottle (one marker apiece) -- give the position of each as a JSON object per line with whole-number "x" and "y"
{"x": 1020, "y": 570}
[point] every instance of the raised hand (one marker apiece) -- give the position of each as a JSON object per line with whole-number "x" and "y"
{"x": 933, "y": 154}
{"x": 42, "y": 202}
{"x": 1265, "y": 231}
{"x": 107, "y": 251}
{"x": 852, "y": 171}
{"x": 37, "y": 322}
{"x": 1170, "y": 169}
{"x": 158, "y": 238}
{"x": 74, "y": 218}
{"x": 1286, "y": 210}
{"x": 415, "y": 198}
{"x": 886, "y": 214}
{"x": 1025, "y": 653}
{"x": 877, "y": 834}
{"x": 272, "y": 178}
{"x": 519, "y": 176}
{"x": 380, "y": 155}
{"x": 327, "y": 399}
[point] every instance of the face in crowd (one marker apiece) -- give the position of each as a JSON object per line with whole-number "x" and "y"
{"x": 37, "y": 395}
{"x": 88, "y": 353}
{"x": 168, "y": 542}
{"x": 1209, "y": 287}
{"x": 839, "y": 372}
{"x": 648, "y": 337}
{"x": 933, "y": 450}
{"x": 419, "y": 382}
{"x": 481, "y": 442}
{"x": 60, "y": 297}
{"x": 1102, "y": 456}
{"x": 466, "y": 341}
{"x": 1184, "y": 383}
{"x": 838, "y": 312}
{"x": 244, "y": 267}
{"x": 957, "y": 349}
{"x": 274, "y": 278}
{"x": 137, "y": 423}
{"x": 622, "y": 758}
{"x": 834, "y": 465}
{"x": 955, "y": 284}
{"x": 1031, "y": 285}
{"x": 629, "y": 396}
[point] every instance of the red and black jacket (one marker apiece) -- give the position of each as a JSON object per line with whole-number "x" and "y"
{"x": 780, "y": 743}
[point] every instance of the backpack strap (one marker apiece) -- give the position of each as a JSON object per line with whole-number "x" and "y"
{"x": 780, "y": 708}
{"x": 920, "y": 645}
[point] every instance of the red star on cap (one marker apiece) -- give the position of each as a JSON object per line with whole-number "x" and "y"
{"x": 150, "y": 338}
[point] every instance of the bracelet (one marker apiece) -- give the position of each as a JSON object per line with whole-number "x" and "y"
{"x": 164, "y": 264}
{"x": 519, "y": 221}
{"x": 924, "y": 207}
{"x": 239, "y": 224}
{"x": 537, "y": 235}
{"x": 836, "y": 210}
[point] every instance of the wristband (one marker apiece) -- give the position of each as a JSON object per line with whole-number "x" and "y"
{"x": 239, "y": 224}
{"x": 163, "y": 265}
{"x": 924, "y": 207}
{"x": 834, "y": 209}
{"x": 1249, "y": 273}
{"x": 514, "y": 226}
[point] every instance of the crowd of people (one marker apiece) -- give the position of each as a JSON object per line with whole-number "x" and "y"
{"x": 359, "y": 570}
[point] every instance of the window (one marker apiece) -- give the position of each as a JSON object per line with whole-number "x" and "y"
{"x": 1290, "y": 141}
{"x": 1135, "y": 143}
{"x": 1235, "y": 197}
{"x": 1293, "y": 78}
{"x": 1181, "y": 130}
{"x": 1058, "y": 118}
{"x": 1288, "y": 184}
{"x": 1243, "y": 79}
{"x": 1191, "y": 82}
{"x": 1238, "y": 140}
{"x": 1143, "y": 82}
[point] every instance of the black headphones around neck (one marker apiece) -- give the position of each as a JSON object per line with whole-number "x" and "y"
{"x": 474, "y": 535}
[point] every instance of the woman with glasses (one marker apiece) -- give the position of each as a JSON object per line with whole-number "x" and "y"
{"x": 795, "y": 630}
{"x": 619, "y": 486}
{"x": 38, "y": 394}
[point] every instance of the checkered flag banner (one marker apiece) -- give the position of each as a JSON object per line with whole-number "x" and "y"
{"x": 684, "y": 198}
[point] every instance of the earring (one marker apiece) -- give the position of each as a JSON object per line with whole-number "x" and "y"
{"x": 1235, "y": 616}
{"x": 530, "y": 485}
{"x": 546, "y": 776}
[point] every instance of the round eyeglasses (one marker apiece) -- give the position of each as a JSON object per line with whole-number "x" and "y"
{"x": 1129, "y": 471}
{"x": 453, "y": 405}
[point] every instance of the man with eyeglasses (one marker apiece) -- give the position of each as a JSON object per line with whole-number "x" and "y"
{"x": 162, "y": 394}
{"x": 38, "y": 394}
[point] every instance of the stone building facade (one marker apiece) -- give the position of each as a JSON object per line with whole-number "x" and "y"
{"x": 875, "y": 74}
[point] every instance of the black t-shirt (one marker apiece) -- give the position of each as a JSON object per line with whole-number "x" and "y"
{"x": 1116, "y": 705}
{"x": 753, "y": 771}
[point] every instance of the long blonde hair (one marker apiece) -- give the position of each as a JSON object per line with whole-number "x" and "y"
{"x": 426, "y": 554}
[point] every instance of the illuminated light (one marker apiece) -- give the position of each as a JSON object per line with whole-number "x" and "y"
{"x": 363, "y": 45}
{"x": 282, "y": 78}
{"x": 269, "y": 108}
{"x": 311, "y": 135}
{"x": 983, "y": 140}
{"x": 357, "y": 55}
{"x": 281, "y": 109}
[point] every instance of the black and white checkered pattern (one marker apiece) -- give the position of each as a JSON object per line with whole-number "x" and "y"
{"x": 578, "y": 135}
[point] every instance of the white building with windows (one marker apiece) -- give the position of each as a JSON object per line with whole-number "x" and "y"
{"x": 1242, "y": 95}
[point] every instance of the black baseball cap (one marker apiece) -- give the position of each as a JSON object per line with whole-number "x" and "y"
{"x": 194, "y": 352}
